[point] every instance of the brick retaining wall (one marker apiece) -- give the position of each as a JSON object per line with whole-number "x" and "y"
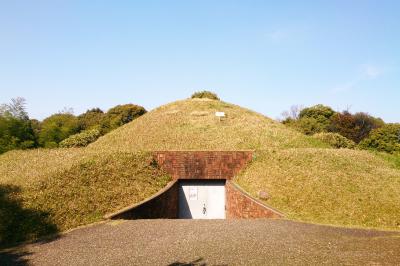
{"x": 199, "y": 165}
{"x": 203, "y": 164}
{"x": 239, "y": 204}
{"x": 163, "y": 204}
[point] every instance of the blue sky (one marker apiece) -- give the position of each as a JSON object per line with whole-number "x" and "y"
{"x": 264, "y": 55}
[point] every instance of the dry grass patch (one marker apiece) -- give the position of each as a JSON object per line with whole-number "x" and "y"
{"x": 340, "y": 187}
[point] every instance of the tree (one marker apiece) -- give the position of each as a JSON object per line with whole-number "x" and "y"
{"x": 56, "y": 128}
{"x": 16, "y": 130}
{"x": 385, "y": 138}
{"x": 91, "y": 119}
{"x": 15, "y": 134}
{"x": 320, "y": 114}
{"x": 35, "y": 124}
{"x": 310, "y": 120}
{"x": 120, "y": 115}
{"x": 15, "y": 109}
{"x": 365, "y": 123}
{"x": 317, "y": 111}
{"x": 292, "y": 114}
{"x": 355, "y": 127}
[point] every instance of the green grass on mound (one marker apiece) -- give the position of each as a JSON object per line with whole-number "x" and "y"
{"x": 192, "y": 124}
{"x": 47, "y": 191}
{"x": 340, "y": 187}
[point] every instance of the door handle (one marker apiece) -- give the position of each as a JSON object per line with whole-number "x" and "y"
{"x": 204, "y": 209}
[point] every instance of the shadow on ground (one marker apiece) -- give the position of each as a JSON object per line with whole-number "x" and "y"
{"x": 13, "y": 258}
{"x": 197, "y": 262}
{"x": 19, "y": 224}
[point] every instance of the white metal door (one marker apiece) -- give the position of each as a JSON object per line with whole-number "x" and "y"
{"x": 202, "y": 199}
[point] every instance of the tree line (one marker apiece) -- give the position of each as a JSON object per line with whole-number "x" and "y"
{"x": 62, "y": 129}
{"x": 344, "y": 129}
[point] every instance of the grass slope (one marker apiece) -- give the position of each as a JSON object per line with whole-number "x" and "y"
{"x": 46, "y": 191}
{"x": 340, "y": 187}
{"x": 192, "y": 124}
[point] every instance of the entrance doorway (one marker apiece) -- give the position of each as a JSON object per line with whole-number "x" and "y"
{"x": 202, "y": 199}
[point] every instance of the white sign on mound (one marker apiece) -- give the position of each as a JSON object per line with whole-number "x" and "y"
{"x": 220, "y": 114}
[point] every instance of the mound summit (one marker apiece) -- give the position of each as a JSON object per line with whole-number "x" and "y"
{"x": 192, "y": 125}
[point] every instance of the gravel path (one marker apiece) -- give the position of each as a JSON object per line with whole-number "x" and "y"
{"x": 212, "y": 242}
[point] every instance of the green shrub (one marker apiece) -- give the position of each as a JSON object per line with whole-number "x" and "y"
{"x": 316, "y": 116}
{"x": 335, "y": 140}
{"x": 386, "y": 138}
{"x": 205, "y": 94}
{"x": 306, "y": 125}
{"x": 310, "y": 125}
{"x": 27, "y": 144}
{"x": 310, "y": 120}
{"x": 120, "y": 115}
{"x": 318, "y": 111}
{"x": 15, "y": 133}
{"x": 51, "y": 145}
{"x": 92, "y": 118}
{"x": 81, "y": 139}
{"x": 56, "y": 128}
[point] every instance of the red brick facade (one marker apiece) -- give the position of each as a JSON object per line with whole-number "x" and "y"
{"x": 199, "y": 165}
{"x": 203, "y": 164}
{"x": 241, "y": 205}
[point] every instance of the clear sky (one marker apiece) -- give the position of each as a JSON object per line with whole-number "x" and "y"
{"x": 264, "y": 55}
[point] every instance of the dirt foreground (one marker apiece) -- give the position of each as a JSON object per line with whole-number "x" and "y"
{"x": 211, "y": 242}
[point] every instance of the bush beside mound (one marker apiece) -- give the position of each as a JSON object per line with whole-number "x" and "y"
{"x": 81, "y": 139}
{"x": 205, "y": 94}
{"x": 335, "y": 140}
{"x": 122, "y": 114}
{"x": 386, "y": 138}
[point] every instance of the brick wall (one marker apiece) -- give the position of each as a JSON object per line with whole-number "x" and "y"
{"x": 164, "y": 204}
{"x": 241, "y": 205}
{"x": 203, "y": 164}
{"x": 199, "y": 165}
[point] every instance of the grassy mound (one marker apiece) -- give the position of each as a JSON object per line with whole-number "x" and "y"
{"x": 46, "y": 191}
{"x": 192, "y": 124}
{"x": 306, "y": 179}
{"x": 340, "y": 187}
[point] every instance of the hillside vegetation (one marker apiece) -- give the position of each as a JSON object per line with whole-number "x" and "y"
{"x": 330, "y": 186}
{"x": 192, "y": 124}
{"x": 49, "y": 190}
{"x": 19, "y": 131}
{"x": 46, "y": 191}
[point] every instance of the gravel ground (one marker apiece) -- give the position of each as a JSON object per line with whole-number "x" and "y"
{"x": 211, "y": 242}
